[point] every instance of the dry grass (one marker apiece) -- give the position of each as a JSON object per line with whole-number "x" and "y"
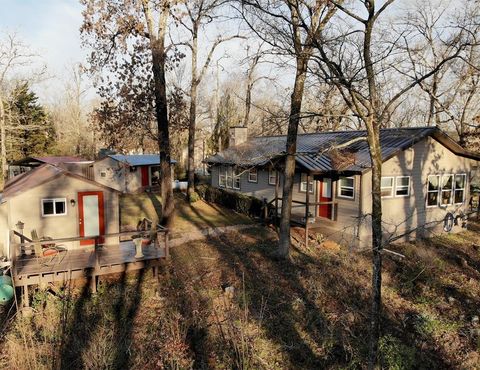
{"x": 305, "y": 313}
{"x": 198, "y": 215}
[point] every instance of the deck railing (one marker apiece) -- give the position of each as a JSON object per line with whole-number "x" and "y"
{"x": 25, "y": 244}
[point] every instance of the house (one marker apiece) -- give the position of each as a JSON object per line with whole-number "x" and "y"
{"x": 75, "y": 164}
{"x": 57, "y": 204}
{"x": 56, "y": 225}
{"x": 425, "y": 176}
{"x": 128, "y": 173}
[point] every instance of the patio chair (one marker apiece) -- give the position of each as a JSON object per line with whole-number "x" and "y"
{"x": 44, "y": 249}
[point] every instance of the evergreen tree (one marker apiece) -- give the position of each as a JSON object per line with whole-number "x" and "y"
{"x": 31, "y": 130}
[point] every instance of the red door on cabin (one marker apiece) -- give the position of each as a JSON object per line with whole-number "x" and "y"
{"x": 145, "y": 176}
{"x": 91, "y": 215}
{"x": 325, "y": 195}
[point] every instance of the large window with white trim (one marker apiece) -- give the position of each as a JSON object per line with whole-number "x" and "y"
{"x": 222, "y": 180}
{"x": 346, "y": 187}
{"x": 54, "y": 207}
{"x": 445, "y": 190}
{"x": 229, "y": 177}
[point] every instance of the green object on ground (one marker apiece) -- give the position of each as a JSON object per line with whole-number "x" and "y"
{"x": 6, "y": 289}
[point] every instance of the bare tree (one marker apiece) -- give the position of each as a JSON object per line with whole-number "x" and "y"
{"x": 118, "y": 34}
{"x": 199, "y": 13}
{"x": 357, "y": 60}
{"x": 289, "y": 27}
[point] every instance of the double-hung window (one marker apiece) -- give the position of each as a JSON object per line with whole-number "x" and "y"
{"x": 459, "y": 195}
{"x": 346, "y": 187}
{"x": 386, "y": 187}
{"x": 402, "y": 186}
{"x": 447, "y": 190}
{"x": 253, "y": 175}
{"x": 229, "y": 178}
{"x": 303, "y": 183}
{"x": 54, "y": 207}
{"x": 222, "y": 180}
{"x": 272, "y": 177}
{"x": 432, "y": 190}
{"x": 237, "y": 172}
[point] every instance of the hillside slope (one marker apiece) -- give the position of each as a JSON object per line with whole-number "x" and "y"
{"x": 226, "y": 303}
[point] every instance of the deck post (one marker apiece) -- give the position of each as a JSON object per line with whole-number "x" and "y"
{"x": 167, "y": 247}
{"x": 307, "y": 209}
{"x": 276, "y": 199}
{"x": 25, "y": 299}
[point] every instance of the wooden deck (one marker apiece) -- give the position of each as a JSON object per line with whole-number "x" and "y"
{"x": 81, "y": 263}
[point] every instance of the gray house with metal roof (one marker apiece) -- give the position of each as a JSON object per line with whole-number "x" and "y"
{"x": 426, "y": 175}
{"x": 128, "y": 173}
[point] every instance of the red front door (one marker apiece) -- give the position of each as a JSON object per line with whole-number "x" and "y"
{"x": 91, "y": 215}
{"x": 325, "y": 195}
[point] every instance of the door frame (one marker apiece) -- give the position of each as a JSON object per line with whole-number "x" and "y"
{"x": 329, "y": 207}
{"x": 101, "y": 216}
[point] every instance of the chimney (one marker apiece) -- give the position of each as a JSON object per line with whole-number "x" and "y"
{"x": 238, "y": 135}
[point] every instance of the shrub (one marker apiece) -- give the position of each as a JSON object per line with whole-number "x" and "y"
{"x": 395, "y": 355}
{"x": 241, "y": 203}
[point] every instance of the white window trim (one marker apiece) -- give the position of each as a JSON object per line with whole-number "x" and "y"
{"x": 103, "y": 174}
{"x": 451, "y": 190}
{"x": 150, "y": 173}
{"x": 54, "y": 200}
{"x": 221, "y": 173}
{"x": 402, "y": 186}
{"x": 256, "y": 175}
{"x": 433, "y": 191}
{"x": 302, "y": 188}
{"x": 339, "y": 195}
{"x": 274, "y": 172}
{"x": 392, "y": 193}
{"x": 234, "y": 177}
{"x": 463, "y": 189}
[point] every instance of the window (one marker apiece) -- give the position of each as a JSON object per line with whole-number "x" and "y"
{"x": 103, "y": 174}
{"x": 346, "y": 187}
{"x": 447, "y": 190}
{"x": 402, "y": 186}
{"x": 229, "y": 177}
{"x": 386, "y": 187}
{"x": 459, "y": 196}
{"x": 236, "y": 178}
{"x": 303, "y": 184}
{"x": 54, "y": 207}
{"x": 253, "y": 175}
{"x": 221, "y": 177}
{"x": 154, "y": 175}
{"x": 272, "y": 177}
{"x": 432, "y": 190}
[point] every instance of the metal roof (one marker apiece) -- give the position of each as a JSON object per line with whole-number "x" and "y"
{"x": 38, "y": 176}
{"x": 139, "y": 159}
{"x": 313, "y": 150}
{"x": 55, "y": 160}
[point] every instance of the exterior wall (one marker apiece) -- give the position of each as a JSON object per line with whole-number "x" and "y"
{"x": 134, "y": 180}
{"x": 401, "y": 214}
{"x": 114, "y": 171}
{"x": 4, "y": 230}
{"x": 26, "y": 207}
{"x": 348, "y": 209}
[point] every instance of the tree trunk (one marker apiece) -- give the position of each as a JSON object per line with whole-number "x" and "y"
{"x": 166, "y": 191}
{"x": 192, "y": 117}
{"x": 377, "y": 241}
{"x": 248, "y": 103}
{"x": 291, "y": 149}
{"x": 3, "y": 136}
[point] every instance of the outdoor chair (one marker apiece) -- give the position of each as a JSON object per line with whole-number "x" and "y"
{"x": 45, "y": 252}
